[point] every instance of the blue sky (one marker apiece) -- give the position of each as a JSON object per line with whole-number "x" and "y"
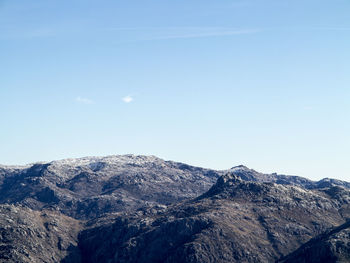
{"x": 210, "y": 83}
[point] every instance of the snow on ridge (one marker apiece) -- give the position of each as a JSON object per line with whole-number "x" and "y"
{"x": 110, "y": 159}
{"x": 92, "y": 162}
{"x": 15, "y": 167}
{"x": 239, "y": 168}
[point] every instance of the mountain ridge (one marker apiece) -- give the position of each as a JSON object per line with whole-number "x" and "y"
{"x": 234, "y": 221}
{"x": 134, "y": 208}
{"x": 142, "y": 159}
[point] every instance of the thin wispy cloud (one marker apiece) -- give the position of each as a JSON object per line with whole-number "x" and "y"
{"x": 332, "y": 28}
{"x": 308, "y": 28}
{"x": 148, "y": 33}
{"x": 13, "y": 33}
{"x": 84, "y": 100}
{"x": 127, "y": 99}
{"x": 171, "y": 28}
{"x": 308, "y": 108}
{"x": 164, "y": 33}
{"x": 219, "y": 33}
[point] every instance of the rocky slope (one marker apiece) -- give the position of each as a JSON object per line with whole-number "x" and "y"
{"x": 33, "y": 236}
{"x": 235, "y": 221}
{"x": 89, "y": 187}
{"x": 143, "y": 209}
{"x": 332, "y": 247}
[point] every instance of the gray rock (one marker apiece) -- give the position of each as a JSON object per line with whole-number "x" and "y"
{"x": 33, "y": 236}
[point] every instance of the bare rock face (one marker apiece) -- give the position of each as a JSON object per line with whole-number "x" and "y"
{"x": 33, "y": 236}
{"x": 235, "y": 221}
{"x": 332, "y": 247}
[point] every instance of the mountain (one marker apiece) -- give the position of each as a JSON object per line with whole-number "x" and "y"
{"x": 252, "y": 175}
{"x": 130, "y": 208}
{"x": 86, "y": 188}
{"x": 89, "y": 187}
{"x": 235, "y": 221}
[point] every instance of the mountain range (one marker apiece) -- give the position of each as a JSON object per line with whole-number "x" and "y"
{"x": 131, "y": 208}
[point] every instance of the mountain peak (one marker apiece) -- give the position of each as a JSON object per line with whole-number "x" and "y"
{"x": 239, "y": 167}
{"x": 223, "y": 184}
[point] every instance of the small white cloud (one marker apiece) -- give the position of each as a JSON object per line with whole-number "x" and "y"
{"x": 308, "y": 107}
{"x": 128, "y": 99}
{"x": 215, "y": 33}
{"x": 84, "y": 100}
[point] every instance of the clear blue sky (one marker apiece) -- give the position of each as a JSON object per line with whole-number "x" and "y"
{"x": 210, "y": 83}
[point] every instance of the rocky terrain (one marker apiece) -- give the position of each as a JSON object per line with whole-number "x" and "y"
{"x": 252, "y": 175}
{"x": 143, "y": 209}
{"x": 89, "y": 187}
{"x": 235, "y": 221}
{"x": 33, "y": 236}
{"x": 331, "y": 246}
